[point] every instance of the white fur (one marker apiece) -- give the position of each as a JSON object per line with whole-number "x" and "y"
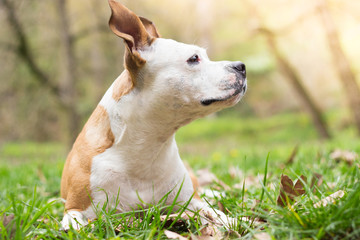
{"x": 74, "y": 219}
{"x": 144, "y": 160}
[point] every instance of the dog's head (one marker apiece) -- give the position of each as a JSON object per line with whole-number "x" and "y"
{"x": 175, "y": 77}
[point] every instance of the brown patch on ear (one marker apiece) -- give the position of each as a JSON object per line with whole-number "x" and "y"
{"x": 122, "y": 85}
{"x": 94, "y": 139}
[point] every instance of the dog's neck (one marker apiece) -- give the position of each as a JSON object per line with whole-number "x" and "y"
{"x": 140, "y": 136}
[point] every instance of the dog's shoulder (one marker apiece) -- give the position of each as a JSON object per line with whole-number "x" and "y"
{"x": 122, "y": 85}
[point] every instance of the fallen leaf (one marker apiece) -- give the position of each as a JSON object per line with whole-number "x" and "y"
{"x": 299, "y": 188}
{"x": 331, "y": 184}
{"x": 205, "y": 177}
{"x": 317, "y": 179}
{"x": 174, "y": 235}
{"x": 186, "y": 215}
{"x": 288, "y": 191}
{"x": 7, "y": 219}
{"x": 10, "y": 228}
{"x": 331, "y": 199}
{"x": 43, "y": 219}
{"x": 235, "y": 172}
{"x": 250, "y": 181}
{"x": 221, "y": 206}
{"x": 262, "y": 236}
{"x": 178, "y": 221}
{"x": 344, "y": 155}
{"x": 210, "y": 231}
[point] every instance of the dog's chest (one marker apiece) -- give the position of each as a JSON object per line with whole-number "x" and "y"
{"x": 127, "y": 184}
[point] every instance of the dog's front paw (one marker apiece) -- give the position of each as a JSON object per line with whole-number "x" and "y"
{"x": 74, "y": 219}
{"x": 217, "y": 218}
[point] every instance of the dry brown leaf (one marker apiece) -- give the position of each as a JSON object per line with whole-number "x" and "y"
{"x": 262, "y": 236}
{"x": 299, "y": 187}
{"x": 331, "y": 185}
{"x": 331, "y": 199}
{"x": 6, "y": 221}
{"x": 180, "y": 220}
{"x": 174, "y": 235}
{"x": 221, "y": 206}
{"x": 210, "y": 231}
{"x": 288, "y": 191}
{"x": 235, "y": 172}
{"x": 250, "y": 181}
{"x": 205, "y": 177}
{"x": 344, "y": 155}
{"x": 317, "y": 179}
{"x": 186, "y": 215}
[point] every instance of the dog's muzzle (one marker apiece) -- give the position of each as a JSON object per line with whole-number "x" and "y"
{"x": 240, "y": 85}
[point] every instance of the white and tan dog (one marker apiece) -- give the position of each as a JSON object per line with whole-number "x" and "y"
{"x": 127, "y": 149}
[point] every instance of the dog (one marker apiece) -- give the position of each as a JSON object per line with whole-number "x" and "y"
{"x": 126, "y": 155}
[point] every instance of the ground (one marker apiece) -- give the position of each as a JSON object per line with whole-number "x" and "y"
{"x": 254, "y": 160}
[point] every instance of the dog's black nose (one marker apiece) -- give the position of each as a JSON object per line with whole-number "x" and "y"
{"x": 239, "y": 67}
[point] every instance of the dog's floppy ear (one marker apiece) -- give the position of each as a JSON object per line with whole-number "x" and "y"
{"x": 136, "y": 32}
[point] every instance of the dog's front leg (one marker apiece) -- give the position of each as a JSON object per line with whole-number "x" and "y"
{"x": 74, "y": 219}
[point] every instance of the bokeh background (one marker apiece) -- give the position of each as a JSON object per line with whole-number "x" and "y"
{"x": 59, "y": 57}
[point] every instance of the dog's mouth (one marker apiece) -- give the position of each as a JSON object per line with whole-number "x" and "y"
{"x": 238, "y": 90}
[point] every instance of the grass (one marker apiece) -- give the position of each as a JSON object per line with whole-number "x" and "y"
{"x": 239, "y": 151}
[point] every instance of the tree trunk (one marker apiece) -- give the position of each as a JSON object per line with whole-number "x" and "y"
{"x": 342, "y": 64}
{"x": 98, "y": 60}
{"x": 68, "y": 81}
{"x": 23, "y": 51}
{"x": 295, "y": 81}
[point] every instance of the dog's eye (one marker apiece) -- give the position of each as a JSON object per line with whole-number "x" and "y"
{"x": 194, "y": 59}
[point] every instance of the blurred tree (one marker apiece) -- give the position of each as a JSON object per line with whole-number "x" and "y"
{"x": 98, "y": 60}
{"x": 67, "y": 84}
{"x": 204, "y": 8}
{"x": 341, "y": 62}
{"x": 65, "y": 91}
{"x": 22, "y": 49}
{"x": 295, "y": 80}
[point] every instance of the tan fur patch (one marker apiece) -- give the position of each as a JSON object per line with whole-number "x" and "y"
{"x": 122, "y": 85}
{"x": 195, "y": 184}
{"x": 94, "y": 139}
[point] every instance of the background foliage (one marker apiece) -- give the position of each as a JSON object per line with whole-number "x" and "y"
{"x": 81, "y": 57}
